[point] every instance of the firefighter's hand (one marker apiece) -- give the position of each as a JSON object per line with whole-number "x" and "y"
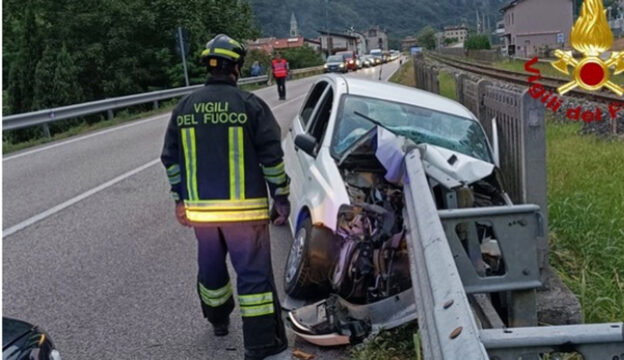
{"x": 280, "y": 210}
{"x": 181, "y": 215}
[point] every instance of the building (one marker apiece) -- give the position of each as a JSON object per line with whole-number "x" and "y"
{"x": 294, "y": 42}
{"x": 271, "y": 44}
{"x": 294, "y": 28}
{"x": 314, "y": 44}
{"x": 263, "y": 44}
{"x": 334, "y": 42}
{"x": 376, "y": 38}
{"x": 531, "y": 26}
{"x": 457, "y": 33}
{"x": 408, "y": 42}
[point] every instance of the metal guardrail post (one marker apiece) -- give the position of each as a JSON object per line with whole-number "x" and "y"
{"x": 110, "y": 114}
{"x": 155, "y": 104}
{"x": 447, "y": 327}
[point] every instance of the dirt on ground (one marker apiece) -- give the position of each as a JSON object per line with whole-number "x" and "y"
{"x": 618, "y": 45}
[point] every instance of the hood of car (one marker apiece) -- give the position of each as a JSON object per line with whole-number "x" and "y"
{"x": 13, "y": 329}
{"x": 449, "y": 167}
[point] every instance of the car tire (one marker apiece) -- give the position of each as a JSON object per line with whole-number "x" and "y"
{"x": 309, "y": 262}
{"x": 297, "y": 282}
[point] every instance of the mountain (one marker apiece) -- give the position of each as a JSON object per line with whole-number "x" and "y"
{"x": 400, "y": 17}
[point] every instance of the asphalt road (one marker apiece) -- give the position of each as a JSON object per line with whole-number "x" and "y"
{"x": 93, "y": 254}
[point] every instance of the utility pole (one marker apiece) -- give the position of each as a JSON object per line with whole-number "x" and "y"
{"x": 183, "y": 52}
{"x": 327, "y": 27}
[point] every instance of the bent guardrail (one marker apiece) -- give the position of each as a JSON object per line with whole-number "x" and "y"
{"x": 43, "y": 117}
{"x": 449, "y": 326}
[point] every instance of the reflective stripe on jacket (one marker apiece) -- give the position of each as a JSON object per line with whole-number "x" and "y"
{"x": 222, "y": 148}
{"x": 280, "y": 68}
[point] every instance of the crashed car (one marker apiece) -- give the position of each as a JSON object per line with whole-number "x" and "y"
{"x": 344, "y": 153}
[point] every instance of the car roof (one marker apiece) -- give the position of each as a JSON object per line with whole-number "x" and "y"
{"x": 403, "y": 94}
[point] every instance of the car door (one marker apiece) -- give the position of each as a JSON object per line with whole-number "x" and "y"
{"x": 315, "y": 187}
{"x": 294, "y": 167}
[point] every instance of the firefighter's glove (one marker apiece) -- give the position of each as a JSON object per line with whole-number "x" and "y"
{"x": 181, "y": 214}
{"x": 280, "y": 210}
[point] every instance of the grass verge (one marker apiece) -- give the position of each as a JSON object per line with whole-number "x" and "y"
{"x": 447, "y": 85}
{"x": 84, "y": 128}
{"x": 395, "y": 344}
{"x": 586, "y": 211}
{"x": 405, "y": 75}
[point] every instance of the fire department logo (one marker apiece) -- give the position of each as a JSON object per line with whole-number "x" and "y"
{"x": 591, "y": 36}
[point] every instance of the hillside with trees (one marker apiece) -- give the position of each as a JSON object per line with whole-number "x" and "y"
{"x": 66, "y": 51}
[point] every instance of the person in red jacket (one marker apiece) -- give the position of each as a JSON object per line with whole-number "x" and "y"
{"x": 280, "y": 73}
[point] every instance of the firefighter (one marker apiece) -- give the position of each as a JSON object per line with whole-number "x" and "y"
{"x": 279, "y": 67}
{"x": 222, "y": 147}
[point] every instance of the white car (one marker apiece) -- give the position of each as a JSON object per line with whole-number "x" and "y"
{"x": 346, "y": 190}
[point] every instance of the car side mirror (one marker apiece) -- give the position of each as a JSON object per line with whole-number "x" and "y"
{"x": 495, "y": 146}
{"x": 307, "y": 143}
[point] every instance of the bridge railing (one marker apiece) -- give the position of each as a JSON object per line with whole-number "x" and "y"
{"x": 43, "y": 117}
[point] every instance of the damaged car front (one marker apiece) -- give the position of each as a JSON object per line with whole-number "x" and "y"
{"x": 345, "y": 152}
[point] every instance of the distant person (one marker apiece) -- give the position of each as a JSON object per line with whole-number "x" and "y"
{"x": 279, "y": 67}
{"x": 256, "y": 69}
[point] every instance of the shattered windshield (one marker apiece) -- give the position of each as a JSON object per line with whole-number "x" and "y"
{"x": 418, "y": 124}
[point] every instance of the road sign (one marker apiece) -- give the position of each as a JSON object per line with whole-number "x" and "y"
{"x": 560, "y": 38}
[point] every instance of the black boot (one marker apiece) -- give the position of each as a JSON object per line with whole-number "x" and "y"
{"x": 221, "y": 329}
{"x": 261, "y": 353}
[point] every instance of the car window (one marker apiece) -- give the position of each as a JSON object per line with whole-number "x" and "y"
{"x": 321, "y": 119}
{"x": 418, "y": 124}
{"x": 334, "y": 58}
{"x": 313, "y": 98}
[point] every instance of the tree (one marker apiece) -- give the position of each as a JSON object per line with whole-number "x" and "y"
{"x": 67, "y": 88}
{"x": 302, "y": 57}
{"x": 44, "y": 80}
{"x": 256, "y": 55}
{"x": 427, "y": 38}
{"x": 477, "y": 42}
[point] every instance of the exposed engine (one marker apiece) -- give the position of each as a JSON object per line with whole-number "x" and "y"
{"x": 373, "y": 263}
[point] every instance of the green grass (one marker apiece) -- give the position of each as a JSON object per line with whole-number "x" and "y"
{"x": 405, "y": 75}
{"x": 395, "y": 344}
{"x": 447, "y": 85}
{"x": 586, "y": 214}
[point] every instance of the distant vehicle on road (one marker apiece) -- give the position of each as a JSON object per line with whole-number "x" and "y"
{"x": 350, "y": 59}
{"x": 335, "y": 63}
{"x": 24, "y": 341}
{"x": 368, "y": 61}
{"x": 377, "y": 54}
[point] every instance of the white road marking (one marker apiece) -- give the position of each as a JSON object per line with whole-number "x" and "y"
{"x": 80, "y": 138}
{"x": 15, "y": 228}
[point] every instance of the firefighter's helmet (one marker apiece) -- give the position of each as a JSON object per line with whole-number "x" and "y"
{"x": 223, "y": 51}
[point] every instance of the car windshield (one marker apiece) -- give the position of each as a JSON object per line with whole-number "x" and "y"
{"x": 418, "y": 124}
{"x": 334, "y": 58}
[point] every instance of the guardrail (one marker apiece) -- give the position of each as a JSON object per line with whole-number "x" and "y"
{"x": 449, "y": 329}
{"x": 43, "y": 117}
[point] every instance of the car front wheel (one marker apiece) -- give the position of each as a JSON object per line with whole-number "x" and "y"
{"x": 297, "y": 273}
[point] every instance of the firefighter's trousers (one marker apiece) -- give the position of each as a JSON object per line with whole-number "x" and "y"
{"x": 250, "y": 253}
